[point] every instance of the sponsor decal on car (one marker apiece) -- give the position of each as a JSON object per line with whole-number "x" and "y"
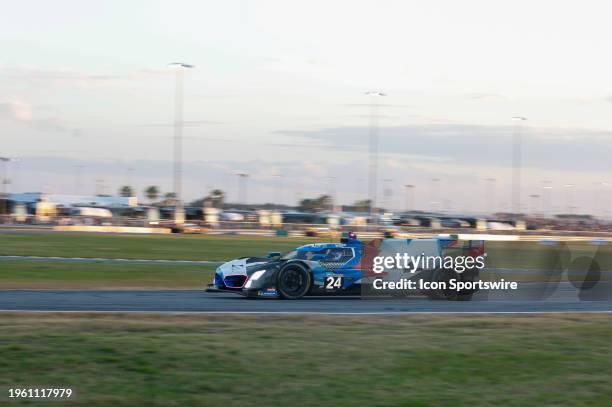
{"x": 268, "y": 292}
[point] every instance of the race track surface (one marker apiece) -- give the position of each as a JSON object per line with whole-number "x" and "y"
{"x": 564, "y": 298}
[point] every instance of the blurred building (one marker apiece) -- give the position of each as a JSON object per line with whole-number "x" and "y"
{"x": 45, "y": 206}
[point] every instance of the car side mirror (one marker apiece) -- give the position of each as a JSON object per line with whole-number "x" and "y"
{"x": 272, "y": 255}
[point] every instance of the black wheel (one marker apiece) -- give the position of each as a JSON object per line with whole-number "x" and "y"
{"x": 442, "y": 294}
{"x": 448, "y": 293}
{"x": 466, "y": 295}
{"x": 293, "y": 281}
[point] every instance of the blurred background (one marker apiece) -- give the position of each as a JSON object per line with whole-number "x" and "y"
{"x": 199, "y": 131}
{"x": 268, "y": 115}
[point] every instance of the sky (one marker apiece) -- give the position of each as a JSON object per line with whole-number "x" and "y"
{"x": 278, "y": 91}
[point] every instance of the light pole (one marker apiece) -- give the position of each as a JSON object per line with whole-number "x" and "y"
{"x": 242, "y": 178}
{"x": 129, "y": 172}
{"x": 409, "y": 197}
{"x": 16, "y": 182}
{"x": 373, "y": 161}
{"x": 569, "y": 201}
{"x": 387, "y": 194}
{"x": 4, "y": 180}
{"x": 490, "y": 194}
{"x": 78, "y": 179}
{"x": 332, "y": 192}
{"x": 605, "y": 200}
{"x": 300, "y": 191}
{"x": 517, "y": 164}
{"x": 179, "y": 214}
{"x": 546, "y": 191}
{"x": 435, "y": 194}
{"x": 8, "y": 184}
{"x": 99, "y": 187}
{"x": 534, "y": 200}
{"x": 600, "y": 198}
{"x": 278, "y": 189}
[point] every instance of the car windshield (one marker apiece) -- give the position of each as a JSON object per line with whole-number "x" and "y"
{"x": 329, "y": 255}
{"x": 302, "y": 254}
{"x": 290, "y": 255}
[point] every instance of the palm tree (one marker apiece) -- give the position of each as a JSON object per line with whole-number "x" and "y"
{"x": 152, "y": 193}
{"x": 217, "y": 196}
{"x": 126, "y": 191}
{"x": 169, "y": 198}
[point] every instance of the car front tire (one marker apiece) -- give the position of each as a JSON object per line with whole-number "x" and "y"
{"x": 293, "y": 281}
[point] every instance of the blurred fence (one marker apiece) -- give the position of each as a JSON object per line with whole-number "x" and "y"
{"x": 253, "y": 228}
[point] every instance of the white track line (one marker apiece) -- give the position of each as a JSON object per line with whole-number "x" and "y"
{"x": 306, "y": 313}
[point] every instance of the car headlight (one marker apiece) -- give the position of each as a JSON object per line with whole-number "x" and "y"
{"x": 255, "y": 276}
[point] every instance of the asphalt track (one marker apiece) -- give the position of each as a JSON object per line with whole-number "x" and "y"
{"x": 563, "y": 298}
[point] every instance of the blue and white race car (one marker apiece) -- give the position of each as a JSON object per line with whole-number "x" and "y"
{"x": 335, "y": 268}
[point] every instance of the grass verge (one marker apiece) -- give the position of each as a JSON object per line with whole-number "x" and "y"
{"x": 162, "y": 360}
{"x": 171, "y": 247}
{"x": 39, "y": 274}
{"x": 201, "y": 247}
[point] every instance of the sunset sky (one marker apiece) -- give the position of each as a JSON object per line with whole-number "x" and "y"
{"x": 279, "y": 87}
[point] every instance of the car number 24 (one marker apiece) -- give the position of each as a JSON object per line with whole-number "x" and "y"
{"x": 333, "y": 282}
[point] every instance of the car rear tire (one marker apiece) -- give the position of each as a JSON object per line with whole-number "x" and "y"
{"x": 293, "y": 281}
{"x": 445, "y": 276}
{"x": 442, "y": 276}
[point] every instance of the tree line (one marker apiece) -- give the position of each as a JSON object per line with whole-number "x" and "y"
{"x": 217, "y": 199}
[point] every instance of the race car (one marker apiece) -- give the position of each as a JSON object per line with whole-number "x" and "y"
{"x": 340, "y": 268}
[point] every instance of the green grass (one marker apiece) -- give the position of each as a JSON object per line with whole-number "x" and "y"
{"x": 533, "y": 255}
{"x": 173, "y": 247}
{"x": 39, "y": 274}
{"x": 29, "y": 274}
{"x": 34, "y": 274}
{"x": 311, "y": 361}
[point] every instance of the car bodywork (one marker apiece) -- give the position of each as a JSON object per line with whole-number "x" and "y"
{"x": 333, "y": 268}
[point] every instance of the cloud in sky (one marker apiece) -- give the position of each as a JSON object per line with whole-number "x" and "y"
{"x": 186, "y": 123}
{"x": 22, "y": 113}
{"x": 465, "y": 144}
{"x": 463, "y": 190}
{"x": 454, "y": 72}
{"x": 72, "y": 78}
{"x": 17, "y": 111}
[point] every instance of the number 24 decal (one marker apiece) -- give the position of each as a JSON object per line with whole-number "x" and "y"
{"x": 333, "y": 282}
